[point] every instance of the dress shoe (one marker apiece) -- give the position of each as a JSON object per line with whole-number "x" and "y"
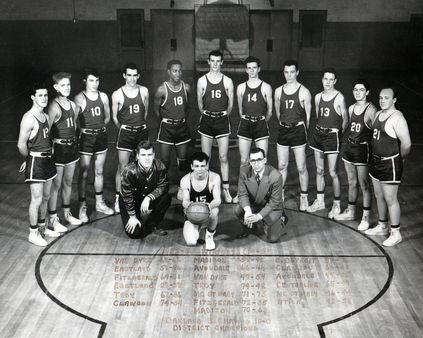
{"x": 159, "y": 232}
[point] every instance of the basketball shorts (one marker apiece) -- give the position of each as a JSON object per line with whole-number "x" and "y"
{"x": 90, "y": 144}
{"x": 128, "y": 140}
{"x": 214, "y": 127}
{"x": 326, "y": 142}
{"x": 253, "y": 130}
{"x": 40, "y": 169}
{"x": 386, "y": 169}
{"x": 357, "y": 153}
{"x": 65, "y": 153}
{"x": 173, "y": 133}
{"x": 294, "y": 137}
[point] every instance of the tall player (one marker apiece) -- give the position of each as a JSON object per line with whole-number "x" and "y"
{"x": 62, "y": 114}
{"x": 255, "y": 109}
{"x": 356, "y": 155}
{"x": 93, "y": 118}
{"x": 171, "y": 108}
{"x": 129, "y": 113}
{"x": 215, "y": 96}
{"x": 293, "y": 110}
{"x": 332, "y": 121}
{"x": 201, "y": 185}
{"x": 34, "y": 144}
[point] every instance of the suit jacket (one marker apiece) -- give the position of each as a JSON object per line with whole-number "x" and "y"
{"x": 267, "y": 196}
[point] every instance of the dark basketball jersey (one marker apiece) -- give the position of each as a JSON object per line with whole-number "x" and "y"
{"x": 93, "y": 115}
{"x": 383, "y": 145}
{"x": 291, "y": 110}
{"x": 64, "y": 128}
{"x": 215, "y": 98}
{"x": 359, "y": 130}
{"x": 132, "y": 111}
{"x": 175, "y": 103}
{"x": 204, "y": 195}
{"x": 328, "y": 117}
{"x": 253, "y": 103}
{"x": 41, "y": 142}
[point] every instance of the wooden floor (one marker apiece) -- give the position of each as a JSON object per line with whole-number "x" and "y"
{"x": 323, "y": 279}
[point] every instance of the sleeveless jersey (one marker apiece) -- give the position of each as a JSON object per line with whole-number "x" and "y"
{"x": 132, "y": 111}
{"x": 175, "y": 103}
{"x": 92, "y": 116}
{"x": 253, "y": 103}
{"x": 328, "y": 117}
{"x": 291, "y": 110}
{"x": 204, "y": 195}
{"x": 215, "y": 98}
{"x": 64, "y": 128}
{"x": 41, "y": 142}
{"x": 383, "y": 145}
{"x": 359, "y": 130}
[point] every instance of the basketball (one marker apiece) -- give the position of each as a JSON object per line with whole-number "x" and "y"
{"x": 197, "y": 212}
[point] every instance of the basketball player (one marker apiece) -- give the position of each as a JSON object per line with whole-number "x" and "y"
{"x": 129, "y": 113}
{"x": 201, "y": 185}
{"x": 144, "y": 197}
{"x": 357, "y": 154}
{"x": 215, "y": 93}
{"x": 332, "y": 121}
{"x": 293, "y": 110}
{"x": 391, "y": 143}
{"x": 34, "y": 144}
{"x": 93, "y": 117}
{"x": 171, "y": 108}
{"x": 255, "y": 109}
{"x": 62, "y": 117}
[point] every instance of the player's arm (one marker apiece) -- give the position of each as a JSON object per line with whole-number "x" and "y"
{"x": 145, "y": 96}
{"x": 316, "y": 103}
{"x": 76, "y": 110}
{"x": 184, "y": 184}
{"x": 158, "y": 100}
{"x": 27, "y": 124}
{"x": 229, "y": 87}
{"x": 305, "y": 97}
{"x": 54, "y": 113}
{"x": 117, "y": 97}
{"x": 240, "y": 90}
{"x": 79, "y": 100}
{"x": 370, "y": 115}
{"x": 201, "y": 87}
{"x": 341, "y": 108}
{"x": 216, "y": 190}
{"x": 106, "y": 105}
{"x": 400, "y": 127}
{"x": 278, "y": 93}
{"x": 266, "y": 91}
{"x": 187, "y": 108}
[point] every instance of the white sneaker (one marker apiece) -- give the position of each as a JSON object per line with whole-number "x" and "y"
{"x": 83, "y": 214}
{"x": 46, "y": 232}
{"x": 36, "y": 238}
{"x": 70, "y": 219}
{"x": 394, "y": 239}
{"x": 364, "y": 224}
{"x": 102, "y": 207}
{"x": 347, "y": 215}
{"x": 226, "y": 195}
{"x": 210, "y": 245}
{"x": 55, "y": 225}
{"x": 336, "y": 210}
{"x": 235, "y": 200}
{"x": 179, "y": 194}
{"x": 304, "y": 203}
{"x": 317, "y": 205}
{"x": 117, "y": 208}
{"x": 379, "y": 229}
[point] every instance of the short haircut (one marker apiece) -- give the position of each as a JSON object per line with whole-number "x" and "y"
{"x": 200, "y": 157}
{"x": 36, "y": 86}
{"x": 251, "y": 59}
{"x": 393, "y": 88}
{"x": 329, "y": 70}
{"x": 60, "y": 76}
{"x": 289, "y": 63}
{"x": 256, "y": 150}
{"x": 362, "y": 82}
{"x": 91, "y": 71}
{"x": 145, "y": 144}
{"x": 173, "y": 62}
{"x": 130, "y": 66}
{"x": 216, "y": 52}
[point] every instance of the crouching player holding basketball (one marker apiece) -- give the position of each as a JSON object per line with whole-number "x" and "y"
{"x": 201, "y": 185}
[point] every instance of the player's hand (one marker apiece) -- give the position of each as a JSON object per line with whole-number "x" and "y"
{"x": 22, "y": 168}
{"x": 132, "y": 223}
{"x": 145, "y": 205}
{"x": 250, "y": 219}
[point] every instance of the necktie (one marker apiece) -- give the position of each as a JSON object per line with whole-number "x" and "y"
{"x": 258, "y": 179}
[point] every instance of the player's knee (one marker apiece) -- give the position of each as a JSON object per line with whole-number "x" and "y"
{"x": 98, "y": 171}
{"x": 223, "y": 158}
{"x": 282, "y": 166}
{"x": 182, "y": 165}
{"x": 320, "y": 171}
{"x": 190, "y": 234}
{"x": 302, "y": 169}
{"x": 333, "y": 173}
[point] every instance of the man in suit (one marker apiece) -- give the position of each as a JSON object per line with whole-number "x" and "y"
{"x": 260, "y": 197}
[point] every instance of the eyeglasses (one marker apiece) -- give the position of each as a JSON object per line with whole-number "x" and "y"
{"x": 257, "y": 161}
